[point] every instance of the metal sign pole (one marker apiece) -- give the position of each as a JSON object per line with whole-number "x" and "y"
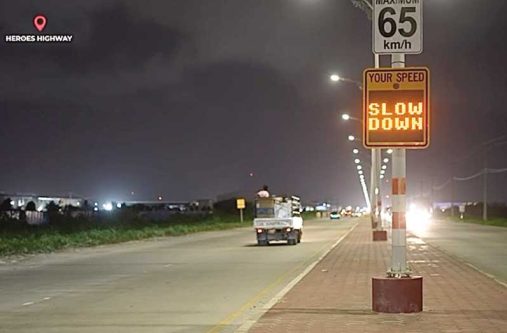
{"x": 399, "y": 233}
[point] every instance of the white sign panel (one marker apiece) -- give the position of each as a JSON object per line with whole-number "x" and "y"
{"x": 397, "y": 26}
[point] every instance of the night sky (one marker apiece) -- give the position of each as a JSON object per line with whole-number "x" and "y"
{"x": 186, "y": 98}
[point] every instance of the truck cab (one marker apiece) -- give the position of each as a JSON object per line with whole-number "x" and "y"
{"x": 278, "y": 219}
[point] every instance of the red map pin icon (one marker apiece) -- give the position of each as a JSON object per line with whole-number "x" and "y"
{"x": 39, "y": 22}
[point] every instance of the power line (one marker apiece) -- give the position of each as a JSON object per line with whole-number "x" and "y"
{"x": 478, "y": 174}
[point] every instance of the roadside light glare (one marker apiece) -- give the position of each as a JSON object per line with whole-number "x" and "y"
{"x": 108, "y": 206}
{"x": 345, "y": 116}
{"x": 355, "y": 151}
{"x": 357, "y": 161}
{"x": 351, "y": 138}
{"x": 335, "y": 77}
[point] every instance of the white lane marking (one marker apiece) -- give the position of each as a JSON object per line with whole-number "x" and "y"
{"x": 28, "y": 303}
{"x": 458, "y": 258}
{"x": 249, "y": 323}
{"x": 491, "y": 276}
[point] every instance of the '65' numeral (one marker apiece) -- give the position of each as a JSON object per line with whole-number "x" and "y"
{"x": 388, "y": 27}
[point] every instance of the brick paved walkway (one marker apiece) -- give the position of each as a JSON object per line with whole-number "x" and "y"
{"x": 336, "y": 295}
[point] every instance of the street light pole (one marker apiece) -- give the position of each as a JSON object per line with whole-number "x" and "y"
{"x": 485, "y": 187}
{"x": 375, "y": 177}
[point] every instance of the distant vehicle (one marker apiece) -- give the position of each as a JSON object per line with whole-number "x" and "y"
{"x": 346, "y": 212}
{"x": 278, "y": 219}
{"x": 334, "y": 215}
{"x": 357, "y": 214}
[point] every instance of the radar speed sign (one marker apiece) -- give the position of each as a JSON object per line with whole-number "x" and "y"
{"x": 396, "y": 108}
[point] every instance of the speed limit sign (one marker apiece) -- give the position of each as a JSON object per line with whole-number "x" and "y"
{"x": 397, "y": 26}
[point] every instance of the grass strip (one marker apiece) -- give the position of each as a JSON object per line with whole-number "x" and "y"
{"x": 496, "y": 221}
{"x": 72, "y": 234}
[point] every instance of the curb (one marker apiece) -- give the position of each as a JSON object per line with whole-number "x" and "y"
{"x": 249, "y": 323}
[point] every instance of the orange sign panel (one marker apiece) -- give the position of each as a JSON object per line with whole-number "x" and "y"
{"x": 396, "y": 108}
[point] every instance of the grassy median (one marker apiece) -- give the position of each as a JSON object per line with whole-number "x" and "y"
{"x": 494, "y": 221}
{"x": 65, "y": 232}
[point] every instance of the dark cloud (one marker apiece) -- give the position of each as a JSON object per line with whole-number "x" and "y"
{"x": 187, "y": 97}
{"x": 115, "y": 39}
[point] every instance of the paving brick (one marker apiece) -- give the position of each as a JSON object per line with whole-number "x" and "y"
{"x": 336, "y": 295}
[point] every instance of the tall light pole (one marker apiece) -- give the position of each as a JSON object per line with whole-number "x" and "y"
{"x": 359, "y": 168}
{"x": 375, "y": 195}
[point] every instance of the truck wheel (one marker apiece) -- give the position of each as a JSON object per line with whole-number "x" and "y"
{"x": 300, "y": 234}
{"x": 291, "y": 241}
{"x": 262, "y": 242}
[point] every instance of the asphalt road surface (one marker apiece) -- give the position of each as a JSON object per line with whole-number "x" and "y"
{"x": 207, "y": 282}
{"x": 483, "y": 247}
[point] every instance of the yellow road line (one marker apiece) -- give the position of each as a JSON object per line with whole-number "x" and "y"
{"x": 235, "y": 314}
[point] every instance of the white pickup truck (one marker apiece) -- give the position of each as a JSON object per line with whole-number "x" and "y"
{"x": 278, "y": 219}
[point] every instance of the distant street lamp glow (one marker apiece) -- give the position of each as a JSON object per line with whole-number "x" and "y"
{"x": 359, "y": 167}
{"x": 351, "y": 138}
{"x": 357, "y": 161}
{"x": 386, "y": 160}
{"x": 360, "y": 172}
{"x": 335, "y": 77}
{"x": 382, "y": 172}
{"x": 355, "y": 151}
{"x": 381, "y": 176}
{"x": 108, "y": 206}
{"x": 389, "y": 151}
{"x": 384, "y": 167}
{"x": 345, "y": 116}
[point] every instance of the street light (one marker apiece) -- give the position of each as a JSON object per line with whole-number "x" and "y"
{"x": 357, "y": 161}
{"x": 360, "y": 172}
{"x": 384, "y": 167}
{"x": 346, "y": 116}
{"x": 359, "y": 167}
{"x": 351, "y": 138}
{"x": 335, "y": 77}
{"x": 389, "y": 151}
{"x": 355, "y": 151}
{"x": 386, "y": 160}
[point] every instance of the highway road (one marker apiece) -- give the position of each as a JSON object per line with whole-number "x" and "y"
{"x": 483, "y": 247}
{"x": 206, "y": 282}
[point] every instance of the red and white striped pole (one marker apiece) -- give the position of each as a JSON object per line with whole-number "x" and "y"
{"x": 399, "y": 232}
{"x": 399, "y": 229}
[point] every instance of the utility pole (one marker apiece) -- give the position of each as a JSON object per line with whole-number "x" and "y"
{"x": 485, "y": 186}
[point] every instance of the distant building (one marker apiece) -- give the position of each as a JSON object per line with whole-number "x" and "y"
{"x": 19, "y": 201}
